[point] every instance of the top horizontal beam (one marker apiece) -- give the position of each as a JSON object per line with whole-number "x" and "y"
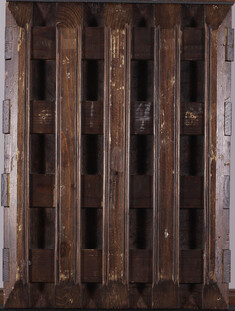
{"x": 229, "y": 2}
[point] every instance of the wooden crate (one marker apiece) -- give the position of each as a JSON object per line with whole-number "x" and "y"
{"x": 117, "y": 122}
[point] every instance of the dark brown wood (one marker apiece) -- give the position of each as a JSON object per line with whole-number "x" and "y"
{"x": 118, "y": 155}
{"x": 91, "y": 191}
{"x": 191, "y": 195}
{"x": 142, "y": 43}
{"x": 1, "y": 296}
{"x": 93, "y": 44}
{"x": 188, "y": 259}
{"x": 43, "y": 43}
{"x": 166, "y": 203}
{"x": 6, "y": 106}
{"x": 232, "y": 297}
{"x": 140, "y": 266}
{"x": 229, "y": 53}
{"x": 192, "y": 120}
{"x": 141, "y": 118}
{"x": 92, "y": 117}
{"x": 91, "y": 266}
{"x": 227, "y": 118}
{"x": 42, "y": 117}
{"x": 42, "y": 190}
{"x": 141, "y": 191}
{"x": 192, "y": 44}
{"x": 41, "y": 266}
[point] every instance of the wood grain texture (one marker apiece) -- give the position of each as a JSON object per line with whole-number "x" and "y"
{"x": 192, "y": 118}
{"x": 5, "y": 179}
{"x": 192, "y": 44}
{"x": 166, "y": 203}
{"x": 226, "y": 266}
{"x": 91, "y": 265}
{"x": 6, "y": 108}
{"x": 93, "y": 44}
{"x": 142, "y": 43}
{"x": 116, "y": 18}
{"x": 229, "y": 53}
{"x": 188, "y": 259}
{"x": 140, "y": 266}
{"x": 227, "y": 118}
{"x": 92, "y": 117}
{"x": 42, "y": 117}
{"x": 6, "y": 265}
{"x": 43, "y": 43}
{"x": 42, "y": 190}
{"x": 41, "y": 268}
{"x": 68, "y": 143}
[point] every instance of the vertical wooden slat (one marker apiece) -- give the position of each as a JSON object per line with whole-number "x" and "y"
{"x": 116, "y": 18}
{"x": 68, "y": 154}
{"x": 16, "y": 155}
{"x": 166, "y": 205}
{"x": 217, "y": 155}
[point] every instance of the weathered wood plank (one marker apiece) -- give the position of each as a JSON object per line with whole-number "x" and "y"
{"x": 193, "y": 44}
{"x": 69, "y": 44}
{"x": 6, "y": 265}
{"x": 91, "y": 191}
{"x": 226, "y": 192}
{"x": 226, "y": 266}
{"x": 141, "y": 192}
{"x": 229, "y": 53}
{"x": 141, "y": 118}
{"x": 191, "y": 192}
{"x": 92, "y": 117}
{"x": 228, "y": 119}
{"x": 5, "y": 195}
{"x": 192, "y": 119}
{"x": 166, "y": 205}
{"x": 116, "y": 18}
{"x": 6, "y": 108}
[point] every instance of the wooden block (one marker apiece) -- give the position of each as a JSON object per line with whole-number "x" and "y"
{"x": 42, "y": 117}
{"x": 191, "y": 269}
{"x": 91, "y": 191}
{"x": 43, "y": 80}
{"x": 43, "y": 42}
{"x": 42, "y": 228}
{"x": 191, "y": 192}
{"x": 142, "y": 118}
{"x": 91, "y": 265}
{"x": 93, "y": 46}
{"x": 6, "y": 116}
{"x": 41, "y": 267}
{"x": 226, "y": 199}
{"x": 92, "y": 117}
{"x": 192, "y": 119}
{"x": 190, "y": 296}
{"x": 5, "y": 190}
{"x": 142, "y": 43}
{"x": 42, "y": 147}
{"x": 191, "y": 228}
{"x": 8, "y": 43}
{"x": 141, "y": 192}
{"x": 42, "y": 190}
{"x": 140, "y": 266}
{"x": 193, "y": 44}
{"x": 226, "y": 266}
{"x": 229, "y": 51}
{"x": 227, "y": 118}
{"x": 5, "y": 259}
